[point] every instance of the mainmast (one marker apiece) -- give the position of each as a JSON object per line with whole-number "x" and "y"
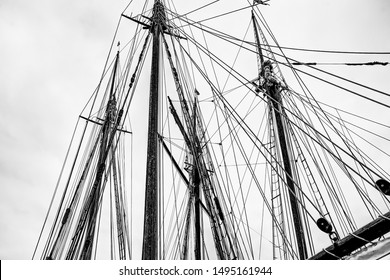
{"x": 150, "y": 236}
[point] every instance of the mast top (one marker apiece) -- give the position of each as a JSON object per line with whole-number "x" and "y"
{"x": 159, "y": 17}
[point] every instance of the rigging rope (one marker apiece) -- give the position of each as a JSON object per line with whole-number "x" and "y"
{"x": 220, "y": 15}
{"x": 223, "y": 36}
{"x": 371, "y": 63}
{"x": 232, "y": 112}
{"x": 223, "y": 65}
{"x": 332, "y": 51}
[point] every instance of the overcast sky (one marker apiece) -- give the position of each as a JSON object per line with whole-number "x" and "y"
{"x": 52, "y": 53}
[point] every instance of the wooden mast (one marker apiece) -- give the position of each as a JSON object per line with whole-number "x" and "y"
{"x": 276, "y": 106}
{"x": 150, "y": 235}
{"x": 272, "y": 90}
{"x": 196, "y": 183}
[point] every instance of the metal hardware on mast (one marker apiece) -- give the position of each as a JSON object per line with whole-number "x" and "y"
{"x": 150, "y": 236}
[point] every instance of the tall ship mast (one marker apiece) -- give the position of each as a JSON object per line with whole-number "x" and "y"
{"x": 195, "y": 145}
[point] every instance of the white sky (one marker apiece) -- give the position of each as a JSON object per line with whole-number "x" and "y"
{"x": 52, "y": 53}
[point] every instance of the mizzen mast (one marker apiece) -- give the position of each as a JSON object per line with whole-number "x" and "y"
{"x": 272, "y": 89}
